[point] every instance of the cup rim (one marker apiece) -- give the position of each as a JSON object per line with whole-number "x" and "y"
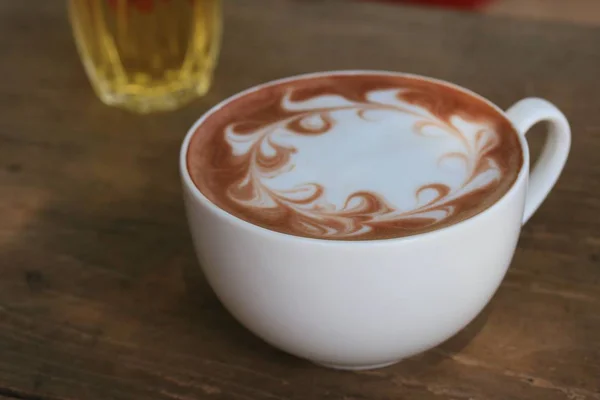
{"x": 243, "y": 224}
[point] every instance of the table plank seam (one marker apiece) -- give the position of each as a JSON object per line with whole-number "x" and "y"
{"x": 9, "y": 393}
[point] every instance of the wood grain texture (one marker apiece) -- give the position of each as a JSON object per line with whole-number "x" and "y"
{"x": 100, "y": 294}
{"x": 579, "y": 11}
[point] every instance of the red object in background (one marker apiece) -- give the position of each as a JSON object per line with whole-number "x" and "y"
{"x": 465, "y": 4}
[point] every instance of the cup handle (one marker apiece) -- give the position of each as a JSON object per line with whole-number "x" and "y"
{"x": 526, "y": 113}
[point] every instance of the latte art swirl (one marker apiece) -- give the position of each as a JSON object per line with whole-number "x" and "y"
{"x": 385, "y": 159}
{"x": 266, "y": 155}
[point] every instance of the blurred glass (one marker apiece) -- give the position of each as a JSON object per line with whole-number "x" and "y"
{"x": 147, "y": 55}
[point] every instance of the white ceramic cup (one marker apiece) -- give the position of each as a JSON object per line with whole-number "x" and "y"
{"x": 368, "y": 304}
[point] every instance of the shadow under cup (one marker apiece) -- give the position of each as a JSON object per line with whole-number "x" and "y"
{"x": 352, "y": 301}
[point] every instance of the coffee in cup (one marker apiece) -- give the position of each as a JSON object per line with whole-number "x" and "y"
{"x": 355, "y": 218}
{"x": 355, "y": 157}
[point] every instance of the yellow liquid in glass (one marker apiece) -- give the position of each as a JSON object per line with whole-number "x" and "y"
{"x": 147, "y": 55}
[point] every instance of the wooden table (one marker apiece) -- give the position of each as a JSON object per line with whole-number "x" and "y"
{"x": 100, "y": 294}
